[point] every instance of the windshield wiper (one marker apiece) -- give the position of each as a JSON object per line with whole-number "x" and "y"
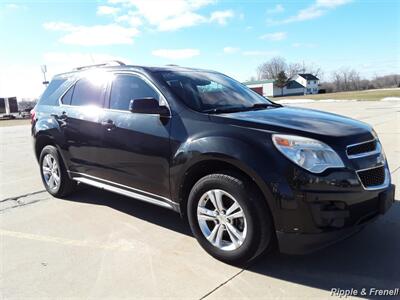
{"x": 256, "y": 106}
{"x": 221, "y": 110}
{"x": 263, "y": 105}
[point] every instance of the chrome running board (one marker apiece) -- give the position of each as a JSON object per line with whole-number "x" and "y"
{"x": 123, "y": 192}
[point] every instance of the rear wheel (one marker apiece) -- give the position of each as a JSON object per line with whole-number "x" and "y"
{"x": 229, "y": 218}
{"x": 53, "y": 173}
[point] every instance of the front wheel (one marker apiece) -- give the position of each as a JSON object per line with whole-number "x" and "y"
{"x": 229, "y": 218}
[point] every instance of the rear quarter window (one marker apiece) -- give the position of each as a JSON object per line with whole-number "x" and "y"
{"x": 54, "y": 91}
{"x": 66, "y": 99}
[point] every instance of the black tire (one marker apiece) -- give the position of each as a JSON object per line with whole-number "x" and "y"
{"x": 260, "y": 232}
{"x": 66, "y": 185}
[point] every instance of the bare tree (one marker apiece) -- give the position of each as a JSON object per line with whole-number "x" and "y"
{"x": 396, "y": 80}
{"x": 312, "y": 69}
{"x": 337, "y": 81}
{"x": 271, "y": 68}
{"x": 386, "y": 81}
{"x": 354, "y": 80}
{"x": 293, "y": 69}
{"x": 346, "y": 79}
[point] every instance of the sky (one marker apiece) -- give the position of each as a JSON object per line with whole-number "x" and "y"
{"x": 232, "y": 37}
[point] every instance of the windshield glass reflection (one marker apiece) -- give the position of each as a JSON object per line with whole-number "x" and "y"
{"x": 210, "y": 91}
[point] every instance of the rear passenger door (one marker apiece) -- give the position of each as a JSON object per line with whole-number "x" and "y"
{"x": 82, "y": 112}
{"x": 136, "y": 149}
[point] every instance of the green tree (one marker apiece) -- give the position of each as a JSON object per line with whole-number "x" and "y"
{"x": 281, "y": 81}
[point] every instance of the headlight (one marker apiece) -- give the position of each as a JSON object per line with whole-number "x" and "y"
{"x": 309, "y": 154}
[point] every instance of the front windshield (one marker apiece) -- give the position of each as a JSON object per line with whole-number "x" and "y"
{"x": 211, "y": 92}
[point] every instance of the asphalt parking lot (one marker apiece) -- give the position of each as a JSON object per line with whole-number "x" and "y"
{"x": 96, "y": 244}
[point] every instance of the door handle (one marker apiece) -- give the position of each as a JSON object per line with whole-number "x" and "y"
{"x": 63, "y": 116}
{"x": 61, "y": 119}
{"x": 109, "y": 124}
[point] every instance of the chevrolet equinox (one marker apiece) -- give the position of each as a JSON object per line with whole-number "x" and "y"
{"x": 247, "y": 173}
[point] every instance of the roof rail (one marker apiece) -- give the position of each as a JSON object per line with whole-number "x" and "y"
{"x": 109, "y": 63}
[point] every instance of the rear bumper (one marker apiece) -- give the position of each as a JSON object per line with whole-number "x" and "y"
{"x": 334, "y": 225}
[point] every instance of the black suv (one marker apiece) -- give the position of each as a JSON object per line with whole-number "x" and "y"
{"x": 246, "y": 172}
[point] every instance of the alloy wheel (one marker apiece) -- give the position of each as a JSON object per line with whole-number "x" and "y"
{"x": 51, "y": 171}
{"x": 222, "y": 220}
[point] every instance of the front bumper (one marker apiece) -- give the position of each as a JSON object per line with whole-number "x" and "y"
{"x": 333, "y": 217}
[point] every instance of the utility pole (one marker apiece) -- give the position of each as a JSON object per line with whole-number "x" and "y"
{"x": 44, "y": 71}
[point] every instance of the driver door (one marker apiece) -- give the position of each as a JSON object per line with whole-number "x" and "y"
{"x": 136, "y": 148}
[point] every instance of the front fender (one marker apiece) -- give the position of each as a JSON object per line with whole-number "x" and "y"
{"x": 252, "y": 159}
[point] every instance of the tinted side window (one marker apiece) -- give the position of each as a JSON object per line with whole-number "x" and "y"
{"x": 46, "y": 98}
{"x": 88, "y": 92}
{"x": 66, "y": 99}
{"x": 128, "y": 87}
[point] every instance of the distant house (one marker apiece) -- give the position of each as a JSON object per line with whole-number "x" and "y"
{"x": 309, "y": 81}
{"x": 300, "y": 84}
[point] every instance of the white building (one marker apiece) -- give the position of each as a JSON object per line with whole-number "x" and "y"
{"x": 300, "y": 84}
{"x": 309, "y": 81}
{"x": 263, "y": 87}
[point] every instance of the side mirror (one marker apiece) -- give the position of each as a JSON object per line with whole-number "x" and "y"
{"x": 148, "y": 106}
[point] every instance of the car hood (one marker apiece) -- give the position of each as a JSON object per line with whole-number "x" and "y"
{"x": 298, "y": 120}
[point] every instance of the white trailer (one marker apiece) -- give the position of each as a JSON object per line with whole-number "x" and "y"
{"x": 8, "y": 107}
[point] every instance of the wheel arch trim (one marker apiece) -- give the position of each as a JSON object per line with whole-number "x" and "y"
{"x": 234, "y": 164}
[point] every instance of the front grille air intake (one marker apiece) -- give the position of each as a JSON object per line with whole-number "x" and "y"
{"x": 372, "y": 177}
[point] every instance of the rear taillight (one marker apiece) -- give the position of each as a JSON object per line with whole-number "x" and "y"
{"x": 33, "y": 114}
